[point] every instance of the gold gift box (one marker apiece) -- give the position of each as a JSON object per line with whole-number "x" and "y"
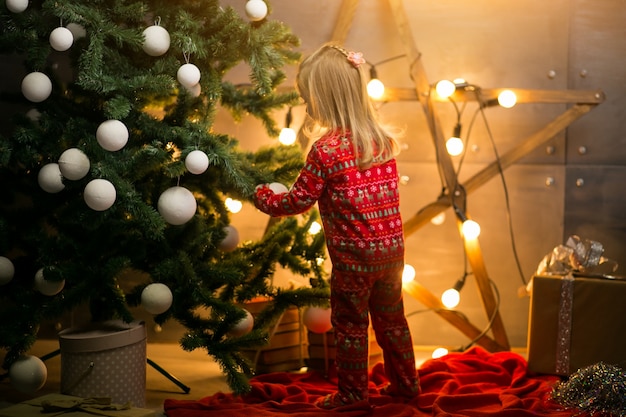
{"x": 575, "y": 322}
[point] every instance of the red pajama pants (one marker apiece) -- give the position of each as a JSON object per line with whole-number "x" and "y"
{"x": 355, "y": 297}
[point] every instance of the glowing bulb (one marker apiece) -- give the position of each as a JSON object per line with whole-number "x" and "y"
{"x": 287, "y": 136}
{"x": 445, "y": 88}
{"x": 450, "y": 298}
{"x": 315, "y": 228}
{"x": 438, "y": 219}
{"x": 439, "y": 352}
{"x": 507, "y": 99}
{"x": 470, "y": 229}
{"x": 454, "y": 146}
{"x": 375, "y": 89}
{"x": 408, "y": 274}
{"x": 234, "y": 206}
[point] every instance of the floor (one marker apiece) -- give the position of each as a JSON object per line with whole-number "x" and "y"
{"x": 195, "y": 370}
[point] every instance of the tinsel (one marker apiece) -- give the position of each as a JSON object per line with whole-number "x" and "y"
{"x": 599, "y": 390}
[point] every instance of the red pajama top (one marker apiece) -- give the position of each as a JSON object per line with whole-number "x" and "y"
{"x": 359, "y": 208}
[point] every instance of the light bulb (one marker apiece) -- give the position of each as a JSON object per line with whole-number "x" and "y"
{"x": 408, "y": 274}
{"x": 315, "y": 228}
{"x": 438, "y": 219}
{"x": 234, "y": 206}
{"x": 445, "y": 88}
{"x": 454, "y": 146}
{"x": 450, "y": 298}
{"x": 375, "y": 89}
{"x": 507, "y": 99}
{"x": 287, "y": 136}
{"x": 439, "y": 352}
{"x": 470, "y": 229}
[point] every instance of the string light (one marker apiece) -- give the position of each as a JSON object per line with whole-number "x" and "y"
{"x": 234, "y": 206}
{"x": 507, "y": 99}
{"x": 439, "y": 352}
{"x": 470, "y": 229}
{"x": 408, "y": 273}
{"x": 452, "y": 296}
{"x": 287, "y": 135}
{"x": 315, "y": 228}
{"x": 375, "y": 87}
{"x": 454, "y": 145}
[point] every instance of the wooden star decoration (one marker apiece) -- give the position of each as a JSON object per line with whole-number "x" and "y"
{"x": 581, "y": 103}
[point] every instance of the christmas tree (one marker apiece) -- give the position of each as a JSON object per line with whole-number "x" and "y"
{"x": 117, "y": 171}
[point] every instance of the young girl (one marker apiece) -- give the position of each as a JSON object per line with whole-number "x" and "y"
{"x": 351, "y": 173}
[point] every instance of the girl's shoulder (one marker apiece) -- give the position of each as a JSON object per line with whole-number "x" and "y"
{"x": 334, "y": 139}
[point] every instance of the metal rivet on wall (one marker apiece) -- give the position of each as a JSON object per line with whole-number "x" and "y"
{"x": 582, "y": 150}
{"x": 549, "y": 181}
{"x": 550, "y": 150}
{"x": 580, "y": 182}
{"x": 583, "y": 73}
{"x": 551, "y": 74}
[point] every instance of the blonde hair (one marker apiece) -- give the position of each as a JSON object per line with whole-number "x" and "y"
{"x": 335, "y": 91}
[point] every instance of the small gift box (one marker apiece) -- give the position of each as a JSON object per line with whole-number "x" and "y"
{"x": 576, "y": 321}
{"x": 62, "y": 405}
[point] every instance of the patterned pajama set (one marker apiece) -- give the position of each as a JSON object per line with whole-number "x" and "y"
{"x": 363, "y": 229}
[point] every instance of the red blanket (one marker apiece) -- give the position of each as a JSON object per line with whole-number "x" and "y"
{"x": 475, "y": 383}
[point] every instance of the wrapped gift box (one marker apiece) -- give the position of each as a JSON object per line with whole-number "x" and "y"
{"x": 106, "y": 359}
{"x": 286, "y": 349}
{"x": 575, "y": 322}
{"x": 34, "y": 408}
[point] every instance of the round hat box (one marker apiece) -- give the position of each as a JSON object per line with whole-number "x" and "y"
{"x": 106, "y": 359}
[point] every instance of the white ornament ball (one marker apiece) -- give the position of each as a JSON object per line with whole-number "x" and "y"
{"x": 46, "y": 287}
{"x": 78, "y": 30}
{"x": 74, "y": 164}
{"x": 7, "y": 270}
{"x": 99, "y": 194}
{"x": 17, "y": 6}
{"x": 317, "y": 319}
{"x": 197, "y": 162}
{"x": 278, "y": 188}
{"x": 33, "y": 115}
{"x": 156, "y": 298}
{"x": 28, "y": 374}
{"x": 36, "y": 87}
{"x": 243, "y": 326}
{"x": 256, "y": 10}
{"x": 156, "y": 40}
{"x": 112, "y": 135}
{"x": 194, "y": 91}
{"x": 231, "y": 240}
{"x": 61, "y": 39}
{"x": 177, "y": 205}
{"x": 50, "y": 178}
{"x": 188, "y": 75}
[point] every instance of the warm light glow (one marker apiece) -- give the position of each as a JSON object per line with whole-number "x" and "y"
{"x": 315, "y": 228}
{"x": 439, "y": 352}
{"x": 234, "y": 206}
{"x": 470, "y": 229}
{"x": 438, "y": 219}
{"x": 408, "y": 274}
{"x": 454, "y": 146}
{"x": 375, "y": 89}
{"x": 507, "y": 99}
{"x": 287, "y": 136}
{"x": 445, "y": 88}
{"x": 450, "y": 298}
